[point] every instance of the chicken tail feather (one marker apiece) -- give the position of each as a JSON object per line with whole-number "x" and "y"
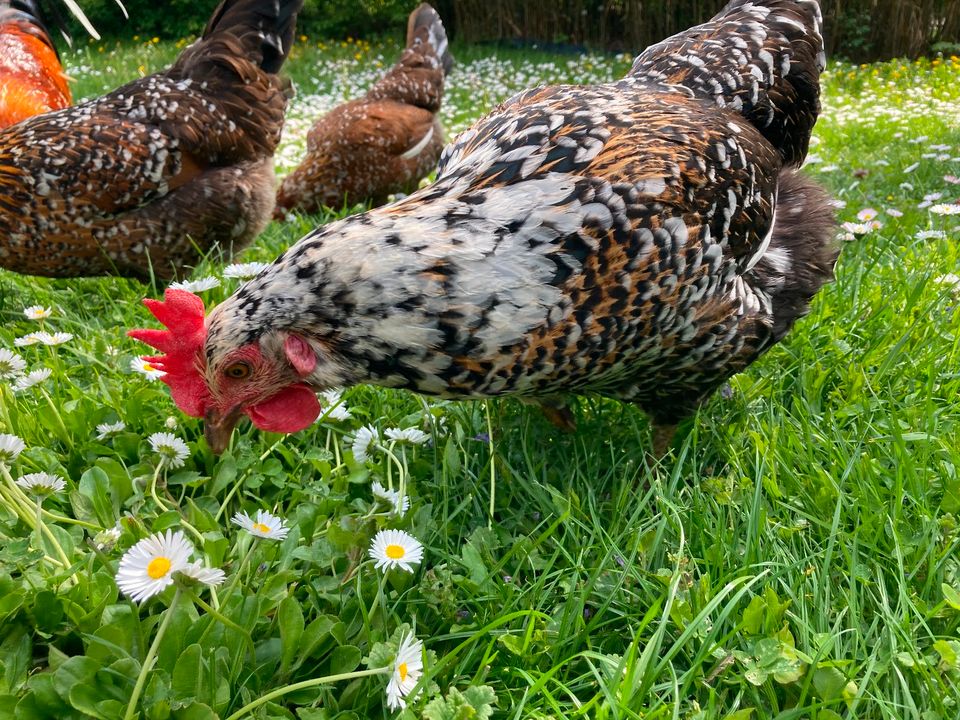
{"x": 425, "y": 26}
{"x": 802, "y": 251}
{"x": 761, "y": 58}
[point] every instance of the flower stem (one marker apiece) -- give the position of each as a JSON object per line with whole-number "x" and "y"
{"x": 71, "y": 521}
{"x": 148, "y": 661}
{"x": 225, "y": 620}
{"x": 153, "y": 488}
{"x": 61, "y": 428}
{"x": 327, "y": 680}
{"x": 493, "y": 464}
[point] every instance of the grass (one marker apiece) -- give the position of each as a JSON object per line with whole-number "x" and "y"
{"x": 797, "y": 558}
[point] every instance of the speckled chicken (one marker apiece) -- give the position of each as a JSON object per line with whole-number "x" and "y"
{"x": 143, "y": 180}
{"x": 642, "y": 240}
{"x": 31, "y": 77}
{"x": 384, "y": 142}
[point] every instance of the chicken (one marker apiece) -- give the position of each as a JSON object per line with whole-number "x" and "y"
{"x": 642, "y": 240}
{"x": 31, "y": 78}
{"x": 381, "y": 143}
{"x": 143, "y": 180}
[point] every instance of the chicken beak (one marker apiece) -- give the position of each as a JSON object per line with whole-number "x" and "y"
{"x": 217, "y": 428}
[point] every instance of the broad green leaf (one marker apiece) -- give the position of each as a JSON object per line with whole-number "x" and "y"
{"x": 951, "y": 596}
{"x": 188, "y": 675}
{"x": 290, "y": 618}
{"x": 345, "y": 659}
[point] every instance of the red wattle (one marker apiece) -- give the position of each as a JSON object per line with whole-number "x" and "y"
{"x": 290, "y": 410}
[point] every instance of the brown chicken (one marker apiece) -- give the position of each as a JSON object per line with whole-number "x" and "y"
{"x": 643, "y": 239}
{"x": 31, "y": 77}
{"x": 144, "y": 180}
{"x": 384, "y": 142}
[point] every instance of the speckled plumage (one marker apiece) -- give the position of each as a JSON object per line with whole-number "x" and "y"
{"x": 642, "y": 239}
{"x": 31, "y": 78}
{"x": 160, "y": 170}
{"x": 384, "y": 142}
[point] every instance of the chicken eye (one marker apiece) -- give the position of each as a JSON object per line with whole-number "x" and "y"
{"x": 238, "y": 371}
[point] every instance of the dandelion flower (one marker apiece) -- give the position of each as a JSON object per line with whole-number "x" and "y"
{"x": 199, "y": 285}
{"x": 37, "y": 312}
{"x": 364, "y": 441}
{"x": 399, "y": 504}
{"x": 243, "y": 271}
{"x": 407, "y": 669}
{"x": 34, "y": 377}
{"x": 28, "y": 339}
{"x": 141, "y": 366}
{"x": 106, "y": 430}
{"x": 57, "y": 338}
{"x": 411, "y": 435}
{"x": 171, "y": 449}
{"x": 147, "y": 568}
{"x": 41, "y": 483}
{"x": 205, "y": 575}
{"x": 10, "y": 447}
{"x": 396, "y": 549}
{"x": 264, "y": 525}
{"x": 11, "y": 364}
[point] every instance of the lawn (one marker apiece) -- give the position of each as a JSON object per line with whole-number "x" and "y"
{"x": 796, "y": 556}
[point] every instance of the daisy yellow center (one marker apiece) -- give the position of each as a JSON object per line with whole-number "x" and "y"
{"x": 158, "y": 567}
{"x": 402, "y": 669}
{"x": 395, "y": 552}
{"x": 260, "y": 527}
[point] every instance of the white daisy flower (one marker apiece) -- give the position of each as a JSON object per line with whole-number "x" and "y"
{"x": 41, "y": 483}
{"x": 336, "y": 408}
{"x": 199, "y": 285}
{"x": 407, "y": 669}
{"x": 11, "y": 364}
{"x": 28, "y": 339}
{"x": 364, "y": 441}
{"x": 396, "y": 549}
{"x": 945, "y": 209}
{"x": 105, "y": 430}
{"x": 893, "y": 212}
{"x": 170, "y": 423}
{"x": 106, "y": 539}
{"x": 10, "y": 447}
{"x": 867, "y": 214}
{"x": 144, "y": 368}
{"x": 244, "y": 271}
{"x": 37, "y": 312}
{"x": 57, "y": 338}
{"x": 930, "y": 235}
{"x": 399, "y": 504}
{"x": 147, "y": 568}
{"x": 857, "y": 228}
{"x": 264, "y": 525}
{"x": 411, "y": 435}
{"x": 949, "y": 279}
{"x": 205, "y": 575}
{"x": 34, "y": 377}
{"x": 172, "y": 450}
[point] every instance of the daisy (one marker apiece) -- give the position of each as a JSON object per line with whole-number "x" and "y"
{"x": 147, "y": 568}
{"x": 949, "y": 279}
{"x": 28, "y": 339}
{"x": 34, "y": 377}
{"x": 37, "y": 312}
{"x": 867, "y": 214}
{"x": 172, "y": 450}
{"x": 407, "y": 669}
{"x": 170, "y": 423}
{"x": 333, "y": 399}
{"x": 10, "y": 447}
{"x": 57, "y": 338}
{"x": 945, "y": 209}
{"x": 364, "y": 441}
{"x": 205, "y": 575}
{"x": 106, "y": 539}
{"x": 11, "y": 364}
{"x": 893, "y": 212}
{"x": 857, "y": 228}
{"x": 199, "y": 285}
{"x": 411, "y": 435}
{"x": 396, "y": 549}
{"x": 41, "y": 483}
{"x": 930, "y": 235}
{"x": 141, "y": 366}
{"x": 265, "y": 525}
{"x": 105, "y": 430}
{"x": 399, "y": 504}
{"x": 244, "y": 271}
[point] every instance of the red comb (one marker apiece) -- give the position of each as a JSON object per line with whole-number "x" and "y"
{"x": 183, "y": 314}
